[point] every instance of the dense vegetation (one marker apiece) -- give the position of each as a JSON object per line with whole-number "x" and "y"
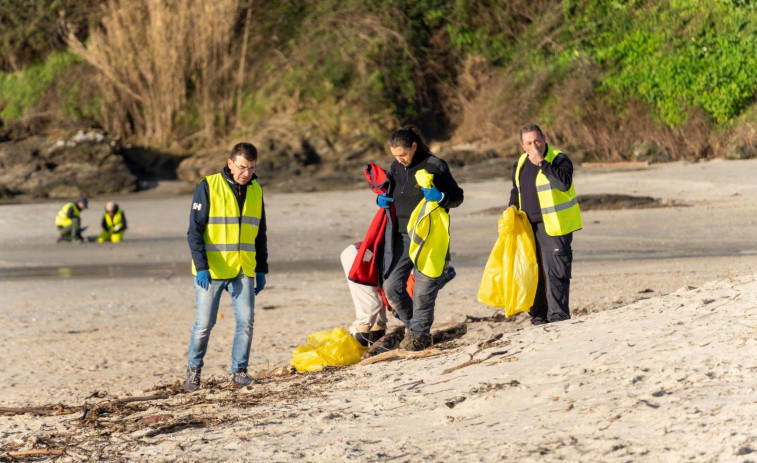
{"x": 661, "y": 79}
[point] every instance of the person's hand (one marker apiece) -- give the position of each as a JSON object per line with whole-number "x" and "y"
{"x": 259, "y": 282}
{"x": 384, "y": 201}
{"x": 432, "y": 194}
{"x": 512, "y": 206}
{"x": 203, "y": 279}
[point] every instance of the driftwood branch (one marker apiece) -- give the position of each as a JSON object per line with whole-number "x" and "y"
{"x": 55, "y": 410}
{"x": 106, "y": 405}
{"x": 399, "y": 353}
{"x": 30, "y": 453}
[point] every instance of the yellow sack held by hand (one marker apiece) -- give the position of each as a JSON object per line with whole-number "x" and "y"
{"x": 428, "y": 229}
{"x": 334, "y": 347}
{"x": 511, "y": 273}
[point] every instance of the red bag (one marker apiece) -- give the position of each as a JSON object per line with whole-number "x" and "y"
{"x": 365, "y": 268}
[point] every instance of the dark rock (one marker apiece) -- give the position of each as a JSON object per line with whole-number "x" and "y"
{"x": 62, "y": 167}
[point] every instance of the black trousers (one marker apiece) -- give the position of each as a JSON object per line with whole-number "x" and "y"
{"x": 555, "y": 258}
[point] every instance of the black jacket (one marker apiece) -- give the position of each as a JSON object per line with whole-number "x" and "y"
{"x": 198, "y": 221}
{"x": 407, "y": 194}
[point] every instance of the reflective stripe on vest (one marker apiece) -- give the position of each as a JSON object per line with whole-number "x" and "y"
{"x": 428, "y": 229}
{"x": 112, "y": 222}
{"x": 559, "y": 209}
{"x": 62, "y": 220}
{"x": 230, "y": 236}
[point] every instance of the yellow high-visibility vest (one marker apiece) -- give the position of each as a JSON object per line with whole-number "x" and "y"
{"x": 559, "y": 209}
{"x": 62, "y": 220}
{"x": 428, "y": 228}
{"x": 230, "y": 235}
{"x": 112, "y": 222}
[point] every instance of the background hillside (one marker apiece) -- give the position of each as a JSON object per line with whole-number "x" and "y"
{"x": 323, "y": 82}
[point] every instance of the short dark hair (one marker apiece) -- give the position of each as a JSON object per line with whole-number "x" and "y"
{"x": 246, "y": 150}
{"x": 530, "y": 128}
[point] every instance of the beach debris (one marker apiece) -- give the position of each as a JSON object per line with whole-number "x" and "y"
{"x": 391, "y": 340}
{"x": 57, "y": 409}
{"x": 454, "y": 401}
{"x": 497, "y": 317}
{"x": 286, "y": 370}
{"x": 401, "y": 354}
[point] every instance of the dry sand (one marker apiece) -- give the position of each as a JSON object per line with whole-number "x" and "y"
{"x": 658, "y": 364}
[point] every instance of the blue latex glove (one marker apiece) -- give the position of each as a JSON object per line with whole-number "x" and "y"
{"x": 384, "y": 201}
{"x": 203, "y": 279}
{"x": 432, "y": 194}
{"x": 259, "y": 282}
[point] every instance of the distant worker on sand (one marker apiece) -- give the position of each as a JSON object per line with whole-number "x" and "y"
{"x": 411, "y": 156}
{"x": 543, "y": 189}
{"x": 227, "y": 239}
{"x": 68, "y": 221}
{"x": 113, "y": 224}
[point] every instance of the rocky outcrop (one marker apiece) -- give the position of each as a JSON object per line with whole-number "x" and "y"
{"x": 295, "y": 161}
{"x": 80, "y": 163}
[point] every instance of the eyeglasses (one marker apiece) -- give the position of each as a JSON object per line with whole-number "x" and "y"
{"x": 243, "y": 169}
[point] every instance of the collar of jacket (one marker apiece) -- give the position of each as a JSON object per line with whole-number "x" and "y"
{"x": 230, "y": 178}
{"x": 418, "y": 159}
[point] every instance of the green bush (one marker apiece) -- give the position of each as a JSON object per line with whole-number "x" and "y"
{"x": 23, "y": 90}
{"x": 676, "y": 55}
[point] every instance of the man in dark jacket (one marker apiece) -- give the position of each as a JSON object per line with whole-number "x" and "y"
{"x": 543, "y": 189}
{"x": 227, "y": 239}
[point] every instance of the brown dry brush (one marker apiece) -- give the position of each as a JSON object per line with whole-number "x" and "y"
{"x": 153, "y": 56}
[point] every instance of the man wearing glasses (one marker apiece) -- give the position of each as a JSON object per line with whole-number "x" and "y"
{"x": 227, "y": 239}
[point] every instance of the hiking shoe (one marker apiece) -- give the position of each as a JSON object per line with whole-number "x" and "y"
{"x": 241, "y": 378}
{"x": 362, "y": 338}
{"x": 193, "y": 379}
{"x": 414, "y": 343}
{"x": 375, "y": 335}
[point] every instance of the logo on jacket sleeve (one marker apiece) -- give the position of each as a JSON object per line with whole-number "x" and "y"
{"x": 196, "y": 206}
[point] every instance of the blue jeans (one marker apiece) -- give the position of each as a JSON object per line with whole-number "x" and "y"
{"x": 242, "y": 291}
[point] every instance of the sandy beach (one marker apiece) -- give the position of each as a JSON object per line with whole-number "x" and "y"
{"x": 658, "y": 362}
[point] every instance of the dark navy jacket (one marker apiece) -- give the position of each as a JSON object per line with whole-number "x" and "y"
{"x": 198, "y": 220}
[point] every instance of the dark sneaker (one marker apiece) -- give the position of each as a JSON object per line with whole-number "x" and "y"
{"x": 193, "y": 379}
{"x": 241, "y": 378}
{"x": 375, "y": 335}
{"x": 414, "y": 343}
{"x": 538, "y": 321}
{"x": 362, "y": 338}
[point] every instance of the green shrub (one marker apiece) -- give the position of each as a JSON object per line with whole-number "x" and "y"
{"x": 676, "y": 55}
{"x": 23, "y": 90}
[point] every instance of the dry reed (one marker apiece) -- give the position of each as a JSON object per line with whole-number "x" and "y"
{"x": 154, "y": 57}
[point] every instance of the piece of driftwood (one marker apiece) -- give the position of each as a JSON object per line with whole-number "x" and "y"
{"x": 401, "y": 354}
{"x": 448, "y": 334}
{"x": 106, "y": 405}
{"x": 389, "y": 341}
{"x": 55, "y": 410}
{"x": 30, "y": 453}
{"x": 475, "y": 361}
{"x": 497, "y": 317}
{"x": 174, "y": 427}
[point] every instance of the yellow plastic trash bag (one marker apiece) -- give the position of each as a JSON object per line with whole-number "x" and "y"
{"x": 511, "y": 273}
{"x": 428, "y": 229}
{"x": 334, "y": 347}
